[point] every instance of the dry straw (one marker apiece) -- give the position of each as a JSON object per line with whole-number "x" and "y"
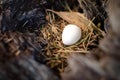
{"x": 55, "y": 50}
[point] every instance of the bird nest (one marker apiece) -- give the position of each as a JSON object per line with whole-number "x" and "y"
{"x": 55, "y": 51}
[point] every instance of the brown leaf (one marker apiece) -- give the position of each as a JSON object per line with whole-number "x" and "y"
{"x": 74, "y": 18}
{"x": 78, "y": 19}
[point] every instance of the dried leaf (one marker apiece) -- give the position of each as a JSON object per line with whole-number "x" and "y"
{"x": 72, "y": 17}
{"x": 78, "y": 19}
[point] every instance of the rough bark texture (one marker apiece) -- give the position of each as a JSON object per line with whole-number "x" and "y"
{"x": 21, "y": 58}
{"x": 22, "y": 15}
{"x": 24, "y": 68}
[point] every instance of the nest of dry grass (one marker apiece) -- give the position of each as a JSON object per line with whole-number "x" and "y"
{"x": 55, "y": 51}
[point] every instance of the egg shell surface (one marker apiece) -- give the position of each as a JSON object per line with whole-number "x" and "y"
{"x": 71, "y": 34}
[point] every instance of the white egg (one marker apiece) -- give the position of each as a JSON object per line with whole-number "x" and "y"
{"x": 71, "y": 34}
